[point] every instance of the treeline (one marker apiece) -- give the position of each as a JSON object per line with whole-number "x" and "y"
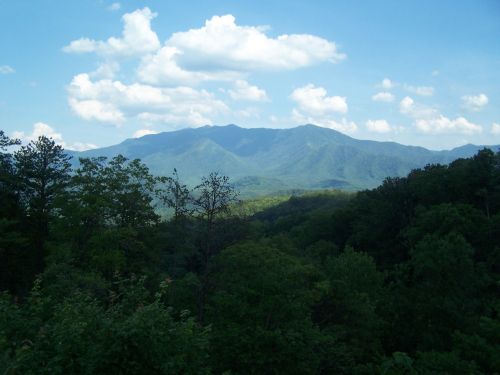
{"x": 402, "y": 279}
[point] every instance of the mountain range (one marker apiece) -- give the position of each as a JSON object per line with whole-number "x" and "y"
{"x": 261, "y": 160}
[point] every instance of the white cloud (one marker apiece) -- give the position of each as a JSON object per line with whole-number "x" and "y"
{"x": 42, "y": 129}
{"x": 314, "y": 100}
{"x": 387, "y": 84}
{"x": 420, "y": 90}
{"x": 383, "y": 96}
{"x": 317, "y": 106}
{"x": 137, "y": 38}
{"x": 162, "y": 68}
{"x": 222, "y": 44}
{"x": 175, "y": 121}
{"x": 344, "y": 125}
{"x": 96, "y": 110}
{"x": 495, "y": 128}
{"x": 6, "y": 69}
{"x": 115, "y": 102}
{"x": 378, "y": 126}
{"x": 142, "y": 132}
{"x": 114, "y": 7}
{"x": 106, "y": 70}
{"x": 79, "y": 146}
{"x": 429, "y": 120}
{"x": 220, "y": 50}
{"x": 244, "y": 91}
{"x": 475, "y": 102}
{"x": 408, "y": 107}
{"x": 39, "y": 129}
{"x": 443, "y": 124}
{"x": 223, "y": 50}
{"x": 248, "y": 113}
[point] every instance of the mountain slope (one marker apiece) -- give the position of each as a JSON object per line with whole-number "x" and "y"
{"x": 264, "y": 160}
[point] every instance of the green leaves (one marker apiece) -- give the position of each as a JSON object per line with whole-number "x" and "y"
{"x": 117, "y": 192}
{"x": 130, "y": 334}
{"x": 43, "y": 170}
{"x": 261, "y": 305}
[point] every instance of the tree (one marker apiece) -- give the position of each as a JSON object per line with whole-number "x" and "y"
{"x": 8, "y": 195}
{"x": 175, "y": 195}
{"x": 215, "y": 195}
{"x": 117, "y": 193}
{"x": 109, "y": 215}
{"x": 260, "y": 312}
{"x": 131, "y": 188}
{"x": 348, "y": 311}
{"x": 12, "y": 241}
{"x": 131, "y": 332}
{"x": 435, "y": 295}
{"x": 43, "y": 171}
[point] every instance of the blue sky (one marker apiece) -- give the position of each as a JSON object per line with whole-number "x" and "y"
{"x": 93, "y": 73}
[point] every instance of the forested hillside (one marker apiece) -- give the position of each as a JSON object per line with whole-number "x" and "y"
{"x": 401, "y": 279}
{"x": 262, "y": 161}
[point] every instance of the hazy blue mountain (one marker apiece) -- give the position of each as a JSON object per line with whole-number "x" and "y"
{"x": 268, "y": 160}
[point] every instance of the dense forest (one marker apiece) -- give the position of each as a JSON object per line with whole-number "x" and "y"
{"x": 401, "y": 279}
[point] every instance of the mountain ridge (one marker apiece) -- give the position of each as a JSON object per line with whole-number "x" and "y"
{"x": 303, "y": 157}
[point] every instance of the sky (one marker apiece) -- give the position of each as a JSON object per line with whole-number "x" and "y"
{"x": 94, "y": 73}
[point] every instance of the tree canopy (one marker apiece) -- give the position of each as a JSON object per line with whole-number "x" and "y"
{"x": 107, "y": 269}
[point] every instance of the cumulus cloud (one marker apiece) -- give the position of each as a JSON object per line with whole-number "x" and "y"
{"x": 408, "y": 107}
{"x": 314, "y": 100}
{"x": 244, "y": 91}
{"x": 316, "y": 107}
{"x": 162, "y": 90}
{"x": 163, "y": 68}
{"x": 344, "y": 125}
{"x": 429, "y": 120}
{"x": 96, "y": 110}
{"x": 387, "y": 84}
{"x": 223, "y": 50}
{"x": 495, "y": 128}
{"x": 221, "y": 43}
{"x": 39, "y": 129}
{"x": 114, "y": 102}
{"x": 383, "y": 96}
{"x": 420, "y": 90}
{"x": 378, "y": 126}
{"x": 174, "y": 120}
{"x": 137, "y": 38}
{"x": 142, "y": 132}
{"x": 6, "y": 69}
{"x": 42, "y": 129}
{"x": 475, "y": 102}
{"x": 107, "y": 69}
{"x": 114, "y": 7}
{"x": 442, "y": 124}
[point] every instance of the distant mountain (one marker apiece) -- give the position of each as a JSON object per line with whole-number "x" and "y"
{"x": 261, "y": 160}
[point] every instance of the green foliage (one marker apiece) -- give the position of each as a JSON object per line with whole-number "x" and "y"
{"x": 348, "y": 310}
{"x": 263, "y": 308}
{"x": 398, "y": 364}
{"x": 43, "y": 171}
{"x": 266, "y": 161}
{"x": 130, "y": 334}
{"x": 175, "y": 195}
{"x": 441, "y": 284}
{"x": 116, "y": 193}
{"x": 401, "y": 279}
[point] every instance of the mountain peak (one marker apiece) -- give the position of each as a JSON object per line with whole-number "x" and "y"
{"x": 306, "y": 156}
